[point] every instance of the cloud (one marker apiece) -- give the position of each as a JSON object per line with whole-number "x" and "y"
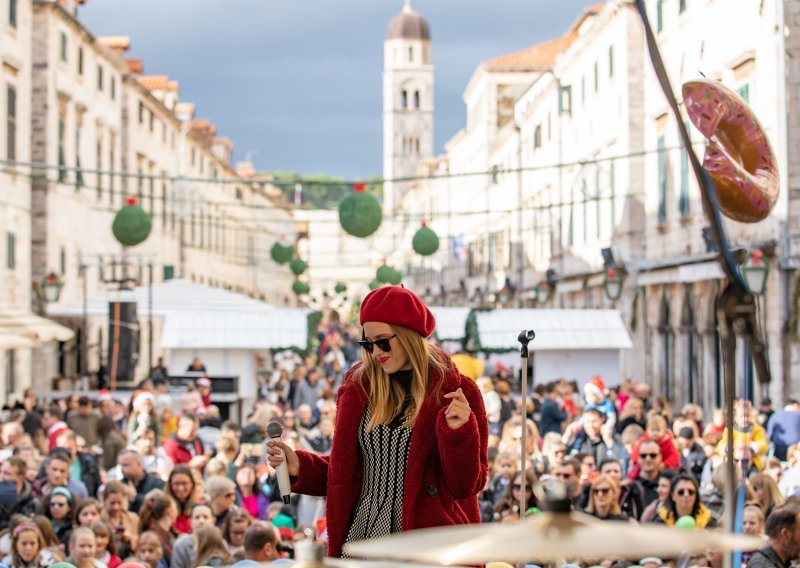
{"x": 299, "y": 81}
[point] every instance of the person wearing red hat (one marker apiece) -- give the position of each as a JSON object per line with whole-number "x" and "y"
{"x": 595, "y": 394}
{"x": 410, "y": 444}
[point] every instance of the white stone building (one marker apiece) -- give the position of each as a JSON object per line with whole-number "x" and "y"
{"x": 99, "y": 131}
{"x": 679, "y": 279}
{"x": 15, "y": 198}
{"x": 603, "y": 183}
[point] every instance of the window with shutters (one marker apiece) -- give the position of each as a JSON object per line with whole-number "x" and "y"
{"x": 662, "y": 180}
{"x": 11, "y": 123}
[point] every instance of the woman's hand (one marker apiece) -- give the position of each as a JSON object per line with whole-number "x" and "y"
{"x": 458, "y": 411}
{"x": 276, "y": 450}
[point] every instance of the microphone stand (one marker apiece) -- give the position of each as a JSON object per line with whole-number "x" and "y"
{"x": 736, "y": 306}
{"x": 524, "y": 338}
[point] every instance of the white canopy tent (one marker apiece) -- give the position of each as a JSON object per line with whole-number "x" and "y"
{"x": 227, "y": 331}
{"x": 573, "y": 344}
{"x": 451, "y": 322}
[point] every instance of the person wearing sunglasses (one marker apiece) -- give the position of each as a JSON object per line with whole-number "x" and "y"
{"x": 507, "y": 508}
{"x": 604, "y": 500}
{"x": 411, "y": 438}
{"x": 684, "y": 501}
{"x": 57, "y": 507}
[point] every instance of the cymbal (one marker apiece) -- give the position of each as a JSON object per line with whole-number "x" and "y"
{"x": 547, "y": 537}
{"x": 351, "y": 563}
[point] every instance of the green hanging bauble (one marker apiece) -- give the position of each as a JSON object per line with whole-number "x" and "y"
{"x": 132, "y": 224}
{"x": 340, "y": 287}
{"x": 298, "y": 266}
{"x": 281, "y": 253}
{"x": 299, "y": 287}
{"x": 360, "y": 213}
{"x": 396, "y": 277}
{"x": 384, "y": 273}
{"x": 374, "y": 285}
{"x": 425, "y": 241}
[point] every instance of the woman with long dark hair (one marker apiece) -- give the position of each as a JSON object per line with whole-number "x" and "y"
{"x": 410, "y": 444}
{"x": 248, "y": 489}
{"x": 181, "y": 488}
{"x": 684, "y": 501}
{"x": 508, "y": 506}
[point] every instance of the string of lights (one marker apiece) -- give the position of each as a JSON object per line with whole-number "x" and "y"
{"x": 493, "y": 173}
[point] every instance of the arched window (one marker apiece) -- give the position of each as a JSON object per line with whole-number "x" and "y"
{"x": 410, "y": 54}
{"x": 416, "y": 99}
{"x": 404, "y": 99}
{"x": 417, "y": 144}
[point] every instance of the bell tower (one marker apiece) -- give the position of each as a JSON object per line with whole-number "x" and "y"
{"x": 407, "y": 101}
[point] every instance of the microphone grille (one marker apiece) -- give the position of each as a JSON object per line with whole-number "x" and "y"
{"x": 274, "y": 429}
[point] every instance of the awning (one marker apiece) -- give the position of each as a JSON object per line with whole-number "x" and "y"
{"x": 277, "y": 328}
{"x": 555, "y": 330}
{"x": 17, "y": 322}
{"x": 451, "y": 323}
{"x": 10, "y": 341}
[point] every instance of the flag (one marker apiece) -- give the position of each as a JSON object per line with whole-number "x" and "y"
{"x": 298, "y": 194}
{"x": 459, "y": 248}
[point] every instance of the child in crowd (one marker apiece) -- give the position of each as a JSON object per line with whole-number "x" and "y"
{"x": 83, "y": 545}
{"x": 150, "y": 552}
{"x": 28, "y": 549}
{"x": 105, "y": 548}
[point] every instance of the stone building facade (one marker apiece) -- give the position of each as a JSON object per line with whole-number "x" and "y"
{"x": 588, "y": 175}
{"x": 101, "y": 131}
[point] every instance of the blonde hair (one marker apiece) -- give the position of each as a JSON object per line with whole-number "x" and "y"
{"x": 615, "y": 509}
{"x": 771, "y": 496}
{"x": 386, "y": 396}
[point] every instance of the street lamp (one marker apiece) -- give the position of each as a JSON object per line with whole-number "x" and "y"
{"x": 51, "y": 288}
{"x": 755, "y": 272}
{"x": 613, "y": 283}
{"x": 543, "y": 291}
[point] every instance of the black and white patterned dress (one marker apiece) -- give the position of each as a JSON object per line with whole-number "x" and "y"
{"x": 384, "y": 452}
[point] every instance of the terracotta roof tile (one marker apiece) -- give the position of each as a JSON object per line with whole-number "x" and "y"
{"x": 537, "y": 57}
{"x": 120, "y": 43}
{"x": 154, "y": 82}
{"x": 595, "y": 8}
{"x": 135, "y": 66}
{"x": 173, "y": 86}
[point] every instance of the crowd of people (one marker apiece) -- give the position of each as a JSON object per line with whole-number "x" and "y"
{"x": 163, "y": 481}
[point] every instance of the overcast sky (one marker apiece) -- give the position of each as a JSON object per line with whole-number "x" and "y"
{"x": 297, "y": 83}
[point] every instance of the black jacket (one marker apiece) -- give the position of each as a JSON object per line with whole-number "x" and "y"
{"x": 767, "y": 558}
{"x": 694, "y": 460}
{"x": 26, "y": 504}
{"x": 551, "y": 417}
{"x": 145, "y": 486}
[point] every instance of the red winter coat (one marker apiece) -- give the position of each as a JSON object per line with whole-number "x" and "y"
{"x": 176, "y": 451}
{"x": 670, "y": 455}
{"x": 445, "y": 471}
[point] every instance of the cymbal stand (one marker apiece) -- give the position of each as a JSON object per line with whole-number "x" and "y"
{"x": 525, "y": 337}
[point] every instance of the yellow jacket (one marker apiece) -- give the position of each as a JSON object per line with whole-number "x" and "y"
{"x": 755, "y": 437}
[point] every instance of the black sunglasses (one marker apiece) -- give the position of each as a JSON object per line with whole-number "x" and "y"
{"x": 383, "y": 344}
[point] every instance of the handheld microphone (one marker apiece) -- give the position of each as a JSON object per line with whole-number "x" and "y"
{"x": 275, "y": 431}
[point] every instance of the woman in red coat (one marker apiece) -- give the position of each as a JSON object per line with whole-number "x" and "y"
{"x": 410, "y": 442}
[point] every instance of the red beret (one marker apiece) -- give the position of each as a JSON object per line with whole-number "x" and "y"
{"x": 398, "y": 306}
